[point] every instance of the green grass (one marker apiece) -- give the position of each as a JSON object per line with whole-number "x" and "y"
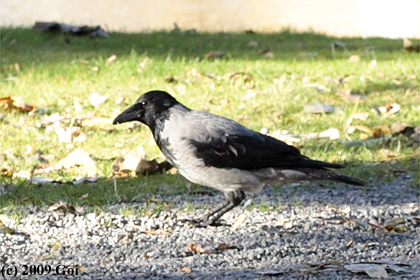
{"x": 52, "y": 74}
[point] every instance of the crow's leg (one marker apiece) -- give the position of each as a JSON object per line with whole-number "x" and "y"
{"x": 233, "y": 199}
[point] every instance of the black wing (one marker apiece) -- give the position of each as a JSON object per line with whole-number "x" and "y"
{"x": 253, "y": 151}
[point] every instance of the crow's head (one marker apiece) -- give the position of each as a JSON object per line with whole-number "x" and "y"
{"x": 148, "y": 108}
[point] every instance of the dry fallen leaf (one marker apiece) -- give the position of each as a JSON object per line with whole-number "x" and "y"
{"x": 386, "y": 154}
{"x": 280, "y": 223}
{"x": 6, "y": 172}
{"x": 381, "y": 131}
{"x": 149, "y": 167}
{"x": 186, "y": 269}
{"x": 4, "y": 220}
{"x": 6, "y": 230}
{"x": 62, "y": 206}
{"x": 372, "y": 64}
{"x": 95, "y": 121}
{"x": 80, "y": 161}
{"x": 96, "y": 99}
{"x": 241, "y": 218}
{"x": 354, "y": 58}
{"x": 360, "y": 116}
{"x": 288, "y": 225}
{"x": 198, "y": 249}
{"x": 15, "y": 102}
{"x": 265, "y": 50}
{"x": 133, "y": 158}
{"x": 66, "y": 134}
{"x": 331, "y": 133}
{"x": 121, "y": 100}
{"x": 387, "y": 110}
{"x": 111, "y": 58}
{"x": 392, "y": 224}
{"x": 250, "y": 94}
{"x": 347, "y": 95}
{"x": 193, "y": 72}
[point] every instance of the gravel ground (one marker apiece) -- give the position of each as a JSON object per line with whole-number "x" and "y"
{"x": 324, "y": 231}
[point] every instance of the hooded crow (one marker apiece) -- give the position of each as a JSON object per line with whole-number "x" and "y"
{"x": 219, "y": 153}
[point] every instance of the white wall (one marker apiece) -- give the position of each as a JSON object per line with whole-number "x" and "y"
{"x": 335, "y": 17}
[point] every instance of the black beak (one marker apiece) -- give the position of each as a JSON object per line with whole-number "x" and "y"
{"x": 130, "y": 114}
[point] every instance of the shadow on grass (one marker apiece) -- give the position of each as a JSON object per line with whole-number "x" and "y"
{"x": 17, "y": 44}
{"x": 152, "y": 191}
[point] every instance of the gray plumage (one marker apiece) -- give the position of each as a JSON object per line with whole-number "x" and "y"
{"x": 219, "y": 153}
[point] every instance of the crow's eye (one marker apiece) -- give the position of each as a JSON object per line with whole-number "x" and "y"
{"x": 143, "y": 103}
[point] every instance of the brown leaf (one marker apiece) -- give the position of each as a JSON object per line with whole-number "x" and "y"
{"x": 186, "y": 269}
{"x": 386, "y": 154}
{"x": 360, "y": 116}
{"x": 381, "y": 131}
{"x": 117, "y": 165}
{"x": 280, "y": 223}
{"x": 388, "y": 109}
{"x": 193, "y": 72}
{"x": 364, "y": 129}
{"x": 345, "y": 93}
{"x": 80, "y": 161}
{"x": 354, "y": 58}
{"x": 15, "y": 102}
{"x": 392, "y": 224}
{"x": 288, "y": 225}
{"x": 121, "y": 100}
{"x": 7, "y": 230}
{"x": 198, "y": 249}
{"x": 94, "y": 121}
{"x": 149, "y": 167}
{"x": 6, "y": 172}
{"x": 331, "y": 133}
{"x": 402, "y": 128}
{"x": 133, "y": 158}
{"x": 111, "y": 58}
{"x": 62, "y": 206}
